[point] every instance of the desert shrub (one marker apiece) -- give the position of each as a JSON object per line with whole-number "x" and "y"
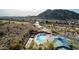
{"x": 48, "y": 45}
{"x": 2, "y": 34}
{"x": 75, "y": 45}
{"x": 44, "y": 46}
{"x": 15, "y": 45}
{"x": 31, "y": 45}
{"x": 1, "y": 23}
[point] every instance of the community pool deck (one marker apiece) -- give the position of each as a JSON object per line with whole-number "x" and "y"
{"x": 58, "y": 40}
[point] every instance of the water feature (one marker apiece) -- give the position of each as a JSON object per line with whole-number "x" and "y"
{"x": 40, "y": 38}
{"x": 60, "y": 42}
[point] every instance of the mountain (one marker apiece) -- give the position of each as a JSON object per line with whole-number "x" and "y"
{"x": 59, "y": 14}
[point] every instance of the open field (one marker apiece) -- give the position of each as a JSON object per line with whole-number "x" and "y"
{"x": 13, "y": 34}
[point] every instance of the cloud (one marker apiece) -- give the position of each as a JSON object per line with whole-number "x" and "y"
{"x": 14, "y": 12}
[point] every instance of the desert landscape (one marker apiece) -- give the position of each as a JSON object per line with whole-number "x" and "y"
{"x": 50, "y": 30}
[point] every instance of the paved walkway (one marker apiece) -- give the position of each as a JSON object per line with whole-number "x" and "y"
{"x": 28, "y": 43}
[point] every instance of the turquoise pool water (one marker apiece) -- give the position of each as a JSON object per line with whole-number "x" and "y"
{"x": 41, "y": 38}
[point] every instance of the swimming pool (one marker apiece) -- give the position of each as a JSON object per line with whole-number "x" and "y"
{"x": 40, "y": 38}
{"x": 61, "y": 41}
{"x": 58, "y": 40}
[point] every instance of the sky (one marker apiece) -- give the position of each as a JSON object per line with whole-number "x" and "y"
{"x": 34, "y": 7}
{"x": 38, "y": 4}
{"x": 75, "y": 10}
{"x": 17, "y": 12}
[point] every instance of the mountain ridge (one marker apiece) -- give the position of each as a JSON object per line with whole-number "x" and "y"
{"x": 61, "y": 14}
